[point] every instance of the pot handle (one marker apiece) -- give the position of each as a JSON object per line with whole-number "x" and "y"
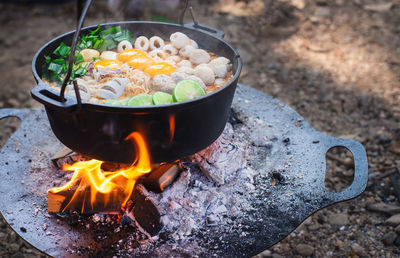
{"x": 360, "y": 169}
{"x": 53, "y": 100}
{"x": 195, "y": 25}
{"x": 206, "y": 29}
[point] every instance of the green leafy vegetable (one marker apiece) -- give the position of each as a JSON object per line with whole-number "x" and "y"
{"x": 55, "y": 67}
{"x": 62, "y": 50}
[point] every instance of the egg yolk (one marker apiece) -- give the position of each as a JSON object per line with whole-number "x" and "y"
{"x": 159, "y": 68}
{"x": 126, "y": 55}
{"x": 112, "y": 64}
{"x": 141, "y": 62}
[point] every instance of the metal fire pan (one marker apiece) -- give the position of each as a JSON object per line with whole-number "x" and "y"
{"x": 26, "y": 174}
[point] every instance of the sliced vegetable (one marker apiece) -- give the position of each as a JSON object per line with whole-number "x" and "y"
{"x": 187, "y": 89}
{"x": 140, "y": 100}
{"x": 117, "y": 102}
{"x": 160, "y": 98}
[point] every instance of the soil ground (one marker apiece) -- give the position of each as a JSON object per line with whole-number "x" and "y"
{"x": 337, "y": 63}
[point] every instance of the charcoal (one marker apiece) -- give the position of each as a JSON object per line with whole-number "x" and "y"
{"x": 145, "y": 211}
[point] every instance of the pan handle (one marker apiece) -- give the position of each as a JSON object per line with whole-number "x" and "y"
{"x": 206, "y": 29}
{"x": 360, "y": 169}
{"x": 53, "y": 100}
{"x": 195, "y": 25}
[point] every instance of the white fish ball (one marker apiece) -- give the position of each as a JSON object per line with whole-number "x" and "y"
{"x": 194, "y": 43}
{"x": 178, "y": 76}
{"x": 108, "y": 55}
{"x": 220, "y": 70}
{"x": 186, "y": 50}
{"x": 199, "y": 56}
{"x": 179, "y": 40}
{"x": 163, "y": 83}
{"x": 186, "y": 63}
{"x": 88, "y": 54}
{"x": 220, "y": 60}
{"x": 186, "y": 70}
{"x": 205, "y": 73}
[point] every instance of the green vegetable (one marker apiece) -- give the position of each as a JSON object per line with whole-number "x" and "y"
{"x": 140, "y": 100}
{"x": 78, "y": 71}
{"x": 55, "y": 66}
{"x": 62, "y": 50}
{"x": 117, "y": 102}
{"x": 187, "y": 89}
{"x": 160, "y": 98}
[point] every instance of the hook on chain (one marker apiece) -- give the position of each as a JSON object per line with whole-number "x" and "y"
{"x": 191, "y": 13}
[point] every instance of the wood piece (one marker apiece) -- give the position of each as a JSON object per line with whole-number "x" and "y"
{"x": 61, "y": 157}
{"x": 145, "y": 211}
{"x": 62, "y": 153}
{"x": 55, "y": 202}
{"x": 161, "y": 178}
{"x": 58, "y": 202}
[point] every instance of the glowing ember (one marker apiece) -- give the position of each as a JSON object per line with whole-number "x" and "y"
{"x": 93, "y": 185}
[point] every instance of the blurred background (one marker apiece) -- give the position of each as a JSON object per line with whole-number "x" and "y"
{"x": 335, "y": 62}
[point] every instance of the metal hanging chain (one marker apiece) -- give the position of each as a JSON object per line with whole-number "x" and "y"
{"x": 183, "y": 12}
{"x": 191, "y": 14}
{"x": 71, "y": 58}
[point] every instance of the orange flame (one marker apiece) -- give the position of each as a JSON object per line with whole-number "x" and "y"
{"x": 94, "y": 184}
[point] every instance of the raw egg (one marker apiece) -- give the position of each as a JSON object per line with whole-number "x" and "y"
{"x": 111, "y": 64}
{"x": 159, "y": 68}
{"x": 140, "y": 62}
{"x": 126, "y": 55}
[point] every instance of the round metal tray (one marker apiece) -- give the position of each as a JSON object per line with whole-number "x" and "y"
{"x": 25, "y": 170}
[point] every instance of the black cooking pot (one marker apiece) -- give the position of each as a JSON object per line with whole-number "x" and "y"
{"x": 171, "y": 131}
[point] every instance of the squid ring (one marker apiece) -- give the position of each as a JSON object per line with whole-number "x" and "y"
{"x": 156, "y": 43}
{"x": 169, "y": 49}
{"x": 158, "y": 53}
{"x": 124, "y": 45}
{"x": 142, "y": 43}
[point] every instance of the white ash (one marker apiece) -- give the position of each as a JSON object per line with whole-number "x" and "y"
{"x": 208, "y": 190}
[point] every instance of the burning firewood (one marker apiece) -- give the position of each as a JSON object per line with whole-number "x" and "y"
{"x": 145, "y": 212}
{"x": 63, "y": 202}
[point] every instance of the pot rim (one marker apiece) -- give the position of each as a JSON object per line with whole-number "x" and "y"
{"x": 143, "y": 108}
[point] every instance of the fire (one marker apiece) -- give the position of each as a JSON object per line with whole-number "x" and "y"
{"x": 93, "y": 185}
